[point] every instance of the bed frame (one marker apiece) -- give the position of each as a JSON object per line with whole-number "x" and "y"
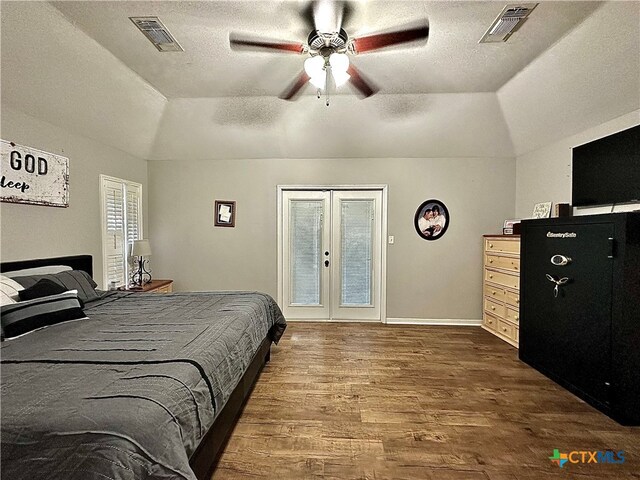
{"x": 206, "y": 456}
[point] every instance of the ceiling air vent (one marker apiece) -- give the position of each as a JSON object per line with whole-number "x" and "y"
{"x": 157, "y": 33}
{"x": 509, "y": 20}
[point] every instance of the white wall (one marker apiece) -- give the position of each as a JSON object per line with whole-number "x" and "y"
{"x": 382, "y": 126}
{"x": 441, "y": 279}
{"x": 545, "y": 174}
{"x": 34, "y": 231}
{"x": 589, "y": 77}
{"x": 52, "y": 70}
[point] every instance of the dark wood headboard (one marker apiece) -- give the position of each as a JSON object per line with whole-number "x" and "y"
{"x": 77, "y": 262}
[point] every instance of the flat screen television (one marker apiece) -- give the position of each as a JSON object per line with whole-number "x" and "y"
{"x": 607, "y": 170}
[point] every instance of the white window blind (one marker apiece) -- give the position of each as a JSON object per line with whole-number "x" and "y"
{"x": 357, "y": 224}
{"x": 121, "y": 225}
{"x": 306, "y": 256}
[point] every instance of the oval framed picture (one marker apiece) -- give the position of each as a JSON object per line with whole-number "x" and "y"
{"x": 431, "y": 219}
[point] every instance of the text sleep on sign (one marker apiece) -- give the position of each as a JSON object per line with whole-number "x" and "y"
{"x": 33, "y": 176}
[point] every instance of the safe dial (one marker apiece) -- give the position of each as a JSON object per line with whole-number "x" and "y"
{"x": 560, "y": 260}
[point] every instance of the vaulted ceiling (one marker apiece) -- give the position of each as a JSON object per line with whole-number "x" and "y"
{"x": 83, "y": 66}
{"x": 451, "y": 62}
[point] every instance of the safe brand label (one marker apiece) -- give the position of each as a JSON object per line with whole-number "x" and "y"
{"x": 562, "y": 235}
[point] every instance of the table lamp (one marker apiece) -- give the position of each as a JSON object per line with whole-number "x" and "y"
{"x": 141, "y": 249}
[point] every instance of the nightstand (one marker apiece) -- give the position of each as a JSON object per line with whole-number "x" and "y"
{"x": 155, "y": 286}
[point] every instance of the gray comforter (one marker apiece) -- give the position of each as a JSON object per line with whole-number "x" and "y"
{"x": 128, "y": 393}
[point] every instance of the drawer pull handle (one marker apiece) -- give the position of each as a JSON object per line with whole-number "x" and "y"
{"x": 504, "y": 329}
{"x": 493, "y": 308}
{"x": 517, "y": 300}
{"x": 517, "y": 318}
{"x": 491, "y": 260}
{"x": 491, "y": 245}
{"x": 490, "y": 276}
{"x": 493, "y": 292}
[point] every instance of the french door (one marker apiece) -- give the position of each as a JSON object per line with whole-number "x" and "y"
{"x": 331, "y": 244}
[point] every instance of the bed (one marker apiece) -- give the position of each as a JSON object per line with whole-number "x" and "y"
{"x": 149, "y": 386}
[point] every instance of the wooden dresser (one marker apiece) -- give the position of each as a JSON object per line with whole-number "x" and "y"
{"x": 501, "y": 287}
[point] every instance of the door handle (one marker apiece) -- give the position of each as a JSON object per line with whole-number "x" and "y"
{"x": 326, "y": 263}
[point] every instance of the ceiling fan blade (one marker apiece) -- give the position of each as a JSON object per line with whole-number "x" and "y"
{"x": 381, "y": 40}
{"x": 365, "y": 87}
{"x": 292, "y": 90}
{"x": 246, "y": 43}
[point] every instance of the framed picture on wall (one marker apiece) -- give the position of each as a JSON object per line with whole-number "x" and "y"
{"x": 224, "y": 213}
{"x": 431, "y": 219}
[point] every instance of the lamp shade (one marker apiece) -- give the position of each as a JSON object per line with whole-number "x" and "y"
{"x": 141, "y": 248}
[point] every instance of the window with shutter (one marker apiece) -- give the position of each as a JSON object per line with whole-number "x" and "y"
{"x": 121, "y": 225}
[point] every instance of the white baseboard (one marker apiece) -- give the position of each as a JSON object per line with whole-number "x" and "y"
{"x": 466, "y": 322}
{"x": 333, "y": 320}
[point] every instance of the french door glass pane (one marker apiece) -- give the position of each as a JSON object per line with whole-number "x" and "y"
{"x": 357, "y": 223}
{"x": 305, "y": 227}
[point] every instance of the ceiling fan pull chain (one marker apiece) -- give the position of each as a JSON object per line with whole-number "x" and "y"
{"x": 327, "y": 71}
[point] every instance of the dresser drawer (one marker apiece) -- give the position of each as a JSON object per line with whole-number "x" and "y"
{"x": 511, "y": 281}
{"x": 494, "y": 292}
{"x": 506, "y": 263}
{"x": 490, "y": 322}
{"x": 512, "y": 298}
{"x": 507, "y": 330}
{"x": 501, "y": 245}
{"x": 493, "y": 307}
{"x": 512, "y": 315}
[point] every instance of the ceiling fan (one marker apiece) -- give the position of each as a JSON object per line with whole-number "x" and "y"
{"x": 328, "y": 48}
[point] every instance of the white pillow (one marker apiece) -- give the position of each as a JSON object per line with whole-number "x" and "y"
{"x": 46, "y": 270}
{"x": 9, "y": 290}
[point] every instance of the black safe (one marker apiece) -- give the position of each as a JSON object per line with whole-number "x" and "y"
{"x": 580, "y": 307}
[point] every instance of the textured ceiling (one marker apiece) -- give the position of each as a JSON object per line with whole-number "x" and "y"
{"x": 451, "y": 62}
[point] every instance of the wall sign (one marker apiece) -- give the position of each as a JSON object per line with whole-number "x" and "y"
{"x": 32, "y": 176}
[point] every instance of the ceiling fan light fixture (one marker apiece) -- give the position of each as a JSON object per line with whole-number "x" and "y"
{"x": 318, "y": 81}
{"x": 314, "y": 67}
{"x": 339, "y": 62}
{"x": 340, "y": 77}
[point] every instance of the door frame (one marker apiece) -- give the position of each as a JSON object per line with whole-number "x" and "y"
{"x": 383, "y": 250}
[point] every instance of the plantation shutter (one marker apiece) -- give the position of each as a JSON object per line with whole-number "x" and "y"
{"x": 134, "y": 221}
{"x": 122, "y": 224}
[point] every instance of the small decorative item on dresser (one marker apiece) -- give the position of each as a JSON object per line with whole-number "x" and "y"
{"x": 541, "y": 210}
{"x": 501, "y": 287}
{"x": 562, "y": 210}
{"x": 511, "y": 227}
{"x": 141, "y": 249}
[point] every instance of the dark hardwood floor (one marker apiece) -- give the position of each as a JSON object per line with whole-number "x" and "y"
{"x": 367, "y": 401}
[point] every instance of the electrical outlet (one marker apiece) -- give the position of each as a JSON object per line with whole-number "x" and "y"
{"x": 392, "y": 239}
